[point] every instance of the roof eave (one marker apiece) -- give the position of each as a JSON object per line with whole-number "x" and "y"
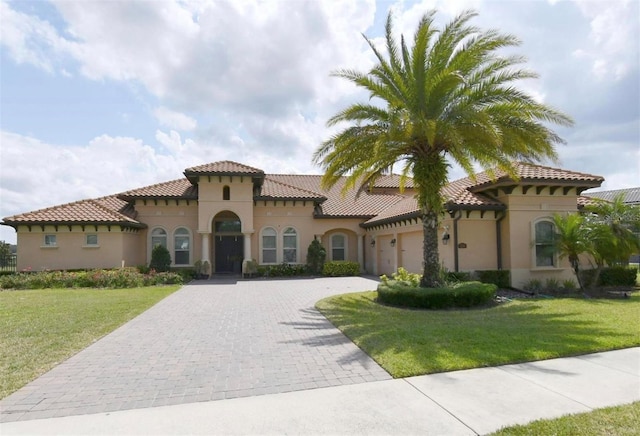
{"x": 15, "y": 224}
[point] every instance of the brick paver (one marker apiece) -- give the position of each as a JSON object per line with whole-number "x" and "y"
{"x": 208, "y": 341}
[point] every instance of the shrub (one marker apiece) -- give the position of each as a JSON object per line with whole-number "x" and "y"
{"x": 282, "y": 270}
{"x": 160, "y": 258}
{"x": 457, "y": 277}
{"x": 316, "y": 256}
{"x": 117, "y": 278}
{"x": 552, "y": 284}
{"x": 341, "y": 268}
{"x": 618, "y": 276}
{"x": 499, "y": 277}
{"x": 569, "y": 285}
{"x": 533, "y": 285}
{"x": 468, "y": 294}
{"x": 404, "y": 277}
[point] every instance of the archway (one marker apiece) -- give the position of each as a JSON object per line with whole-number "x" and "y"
{"x": 228, "y": 243}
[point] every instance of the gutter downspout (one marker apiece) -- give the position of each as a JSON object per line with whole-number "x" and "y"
{"x": 503, "y": 215}
{"x": 456, "y": 257}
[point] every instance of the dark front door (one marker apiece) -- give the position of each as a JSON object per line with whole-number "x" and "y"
{"x": 229, "y": 254}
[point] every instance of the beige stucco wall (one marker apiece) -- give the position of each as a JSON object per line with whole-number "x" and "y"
{"x": 70, "y": 251}
{"x": 211, "y": 202}
{"x": 168, "y": 215}
{"x": 518, "y": 232}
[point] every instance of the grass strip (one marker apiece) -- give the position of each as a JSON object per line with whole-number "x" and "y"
{"x": 413, "y": 342}
{"x": 41, "y": 328}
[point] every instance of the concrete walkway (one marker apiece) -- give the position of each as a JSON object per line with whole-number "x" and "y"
{"x": 282, "y": 368}
{"x": 470, "y": 402}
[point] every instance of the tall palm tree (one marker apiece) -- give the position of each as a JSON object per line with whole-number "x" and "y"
{"x": 572, "y": 239}
{"x": 450, "y": 96}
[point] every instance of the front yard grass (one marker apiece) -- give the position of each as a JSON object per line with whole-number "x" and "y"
{"x": 414, "y": 342}
{"x": 41, "y": 328}
{"x": 611, "y": 421}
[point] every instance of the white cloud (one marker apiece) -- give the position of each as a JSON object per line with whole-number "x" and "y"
{"x": 173, "y": 119}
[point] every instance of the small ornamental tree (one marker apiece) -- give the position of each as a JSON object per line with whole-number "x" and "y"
{"x": 316, "y": 255}
{"x": 160, "y": 258}
{"x": 5, "y": 253}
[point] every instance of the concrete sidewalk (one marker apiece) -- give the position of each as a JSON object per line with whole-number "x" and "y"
{"x": 469, "y": 402}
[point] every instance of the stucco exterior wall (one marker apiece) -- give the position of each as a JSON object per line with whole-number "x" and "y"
{"x": 168, "y": 215}
{"x": 479, "y": 236}
{"x": 519, "y": 237}
{"x": 70, "y": 250}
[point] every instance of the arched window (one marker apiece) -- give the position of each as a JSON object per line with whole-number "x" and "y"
{"x": 544, "y": 247}
{"x": 181, "y": 246}
{"x": 338, "y": 247}
{"x": 269, "y": 249}
{"x": 290, "y": 245}
{"x": 226, "y": 193}
{"x": 158, "y": 237}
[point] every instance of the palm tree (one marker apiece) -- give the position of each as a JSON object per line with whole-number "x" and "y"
{"x": 450, "y": 96}
{"x": 572, "y": 239}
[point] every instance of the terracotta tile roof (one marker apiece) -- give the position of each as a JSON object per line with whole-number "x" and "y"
{"x": 180, "y": 188}
{"x": 630, "y": 195}
{"x": 105, "y": 210}
{"x": 585, "y": 201}
{"x": 528, "y": 172}
{"x": 336, "y": 205}
{"x": 274, "y": 189}
{"x": 457, "y": 194}
{"x": 225, "y": 167}
{"x": 392, "y": 181}
{"x": 406, "y": 207}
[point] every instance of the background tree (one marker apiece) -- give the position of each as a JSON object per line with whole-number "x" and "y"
{"x": 5, "y": 253}
{"x": 449, "y": 96}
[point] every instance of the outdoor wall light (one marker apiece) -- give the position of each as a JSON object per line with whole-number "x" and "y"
{"x": 373, "y": 242}
{"x": 393, "y": 242}
{"x": 446, "y": 236}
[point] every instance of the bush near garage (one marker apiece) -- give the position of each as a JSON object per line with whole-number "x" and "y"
{"x": 340, "y": 268}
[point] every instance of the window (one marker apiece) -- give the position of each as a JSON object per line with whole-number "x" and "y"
{"x": 545, "y": 253}
{"x": 338, "y": 247}
{"x": 228, "y": 226}
{"x": 91, "y": 240}
{"x": 181, "y": 246}
{"x": 226, "y": 193}
{"x": 269, "y": 245}
{"x": 289, "y": 245}
{"x": 50, "y": 241}
{"x": 158, "y": 237}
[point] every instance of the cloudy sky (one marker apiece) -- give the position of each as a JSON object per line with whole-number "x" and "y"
{"x": 97, "y": 97}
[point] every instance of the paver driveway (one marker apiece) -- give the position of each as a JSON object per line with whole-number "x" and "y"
{"x": 208, "y": 341}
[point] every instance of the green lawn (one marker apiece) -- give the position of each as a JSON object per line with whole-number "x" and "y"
{"x": 413, "y": 342}
{"x": 612, "y": 421}
{"x": 41, "y": 328}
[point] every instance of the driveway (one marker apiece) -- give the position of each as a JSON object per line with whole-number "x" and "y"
{"x": 208, "y": 341}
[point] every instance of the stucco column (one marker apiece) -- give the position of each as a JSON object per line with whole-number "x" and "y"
{"x": 247, "y": 244}
{"x": 205, "y": 246}
{"x": 395, "y": 250}
{"x": 361, "y": 237}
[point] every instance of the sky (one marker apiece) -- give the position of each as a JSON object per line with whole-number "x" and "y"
{"x": 98, "y": 97}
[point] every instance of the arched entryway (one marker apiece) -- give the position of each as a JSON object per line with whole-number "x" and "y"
{"x": 228, "y": 245}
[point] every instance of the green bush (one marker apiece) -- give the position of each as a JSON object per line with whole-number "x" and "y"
{"x": 316, "y": 256}
{"x": 618, "y": 276}
{"x": 160, "y": 259}
{"x": 468, "y": 294}
{"x": 533, "y": 285}
{"x": 499, "y": 277}
{"x": 341, "y": 268}
{"x": 456, "y": 277}
{"x": 282, "y": 270}
{"x": 116, "y": 278}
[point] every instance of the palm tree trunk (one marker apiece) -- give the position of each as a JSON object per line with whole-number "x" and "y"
{"x": 430, "y": 256}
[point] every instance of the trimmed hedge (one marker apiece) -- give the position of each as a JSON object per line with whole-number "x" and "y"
{"x": 611, "y": 276}
{"x": 499, "y": 277}
{"x": 467, "y": 294}
{"x": 116, "y": 278}
{"x": 341, "y": 268}
{"x": 282, "y": 270}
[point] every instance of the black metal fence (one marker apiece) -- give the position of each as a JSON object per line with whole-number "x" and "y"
{"x": 8, "y": 263}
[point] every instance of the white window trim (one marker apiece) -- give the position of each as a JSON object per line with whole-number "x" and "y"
{"x": 261, "y": 247}
{"x": 173, "y": 248}
{"x": 281, "y": 252}
{"x": 345, "y": 248}
{"x": 44, "y": 241}
{"x": 534, "y": 244}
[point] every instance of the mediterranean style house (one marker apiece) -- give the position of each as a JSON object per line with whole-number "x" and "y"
{"x": 226, "y": 213}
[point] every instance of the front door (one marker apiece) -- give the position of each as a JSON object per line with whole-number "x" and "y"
{"x": 229, "y": 254}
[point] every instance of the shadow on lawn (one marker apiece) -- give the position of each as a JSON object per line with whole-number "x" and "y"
{"x": 412, "y": 342}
